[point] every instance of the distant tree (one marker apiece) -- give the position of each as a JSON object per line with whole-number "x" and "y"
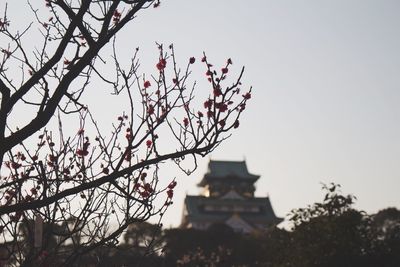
{"x": 83, "y": 179}
{"x": 328, "y": 233}
{"x": 143, "y": 240}
{"x": 220, "y": 257}
{"x": 334, "y": 204}
{"x": 386, "y": 234}
{"x": 217, "y": 246}
{"x": 142, "y": 234}
{"x": 192, "y": 247}
{"x": 386, "y": 220}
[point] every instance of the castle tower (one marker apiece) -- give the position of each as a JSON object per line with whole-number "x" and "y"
{"x": 228, "y": 198}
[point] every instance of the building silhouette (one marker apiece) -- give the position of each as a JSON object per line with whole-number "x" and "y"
{"x": 228, "y": 198}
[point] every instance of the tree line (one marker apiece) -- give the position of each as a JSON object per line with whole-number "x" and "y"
{"x": 328, "y": 233}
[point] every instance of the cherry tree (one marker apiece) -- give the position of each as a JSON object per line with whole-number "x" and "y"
{"x": 61, "y": 188}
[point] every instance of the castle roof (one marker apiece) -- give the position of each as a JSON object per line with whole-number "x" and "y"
{"x": 221, "y": 170}
{"x": 200, "y": 208}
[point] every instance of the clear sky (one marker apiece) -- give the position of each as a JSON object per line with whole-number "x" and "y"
{"x": 326, "y": 79}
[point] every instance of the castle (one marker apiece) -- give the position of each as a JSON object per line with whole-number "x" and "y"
{"x": 228, "y": 198}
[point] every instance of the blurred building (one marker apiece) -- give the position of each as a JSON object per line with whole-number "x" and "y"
{"x": 228, "y": 198}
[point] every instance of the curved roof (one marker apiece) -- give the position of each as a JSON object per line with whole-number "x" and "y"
{"x": 227, "y": 169}
{"x": 195, "y": 209}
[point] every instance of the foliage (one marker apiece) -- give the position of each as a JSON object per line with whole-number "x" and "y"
{"x": 217, "y": 246}
{"x": 330, "y": 233}
{"x": 346, "y": 237}
{"x": 334, "y": 204}
{"x": 386, "y": 230}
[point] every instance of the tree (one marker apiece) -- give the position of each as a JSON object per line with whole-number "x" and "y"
{"x": 326, "y": 233}
{"x": 193, "y": 247}
{"x": 386, "y": 233}
{"x": 218, "y": 246}
{"x": 84, "y": 179}
{"x": 140, "y": 235}
{"x": 329, "y": 233}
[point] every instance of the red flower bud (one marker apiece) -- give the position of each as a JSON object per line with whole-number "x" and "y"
{"x": 186, "y": 122}
{"x": 52, "y": 158}
{"x": 170, "y": 193}
{"x": 82, "y": 153}
{"x": 145, "y": 194}
{"x": 161, "y": 64}
{"x": 150, "y": 109}
{"x": 247, "y": 96}
{"x": 147, "y": 84}
{"x": 208, "y": 104}
{"x": 221, "y": 106}
{"x": 15, "y": 165}
{"x": 217, "y": 92}
{"x": 149, "y": 143}
{"x": 148, "y": 188}
{"x": 172, "y": 185}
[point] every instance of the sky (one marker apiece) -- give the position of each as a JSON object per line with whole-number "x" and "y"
{"x": 326, "y": 92}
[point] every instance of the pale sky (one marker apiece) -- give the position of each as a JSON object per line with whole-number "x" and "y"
{"x": 326, "y": 91}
